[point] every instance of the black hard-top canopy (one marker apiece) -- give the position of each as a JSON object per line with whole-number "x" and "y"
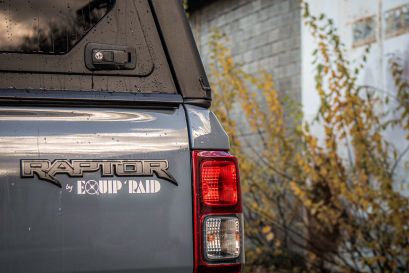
{"x": 128, "y": 47}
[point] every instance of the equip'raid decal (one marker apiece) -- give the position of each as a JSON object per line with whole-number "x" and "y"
{"x": 47, "y": 170}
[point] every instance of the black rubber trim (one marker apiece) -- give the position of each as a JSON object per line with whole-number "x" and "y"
{"x": 205, "y": 103}
{"x": 181, "y": 51}
{"x": 165, "y": 49}
{"x": 193, "y": 5}
{"x": 88, "y": 98}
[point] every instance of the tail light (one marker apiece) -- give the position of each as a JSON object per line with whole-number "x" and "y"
{"x": 217, "y": 213}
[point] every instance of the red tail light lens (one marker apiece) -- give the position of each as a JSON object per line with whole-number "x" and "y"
{"x": 219, "y": 182}
{"x": 218, "y": 213}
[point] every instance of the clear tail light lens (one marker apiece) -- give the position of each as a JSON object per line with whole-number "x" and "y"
{"x": 223, "y": 238}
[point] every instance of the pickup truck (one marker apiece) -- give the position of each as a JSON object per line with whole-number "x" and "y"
{"x": 110, "y": 159}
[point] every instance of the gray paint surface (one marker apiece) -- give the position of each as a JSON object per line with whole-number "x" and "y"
{"x": 206, "y": 132}
{"x": 44, "y": 228}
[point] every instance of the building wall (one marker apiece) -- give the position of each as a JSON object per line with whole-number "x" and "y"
{"x": 347, "y": 14}
{"x": 382, "y": 24}
{"x": 262, "y": 34}
{"x": 269, "y": 34}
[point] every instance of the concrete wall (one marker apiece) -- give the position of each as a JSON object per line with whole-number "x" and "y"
{"x": 262, "y": 34}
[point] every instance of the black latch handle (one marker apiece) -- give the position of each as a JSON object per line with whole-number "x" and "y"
{"x": 109, "y": 57}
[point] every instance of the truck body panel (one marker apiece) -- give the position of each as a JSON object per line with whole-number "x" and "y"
{"x": 81, "y": 227}
{"x": 206, "y": 132}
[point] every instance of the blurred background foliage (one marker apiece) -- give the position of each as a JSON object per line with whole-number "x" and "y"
{"x": 317, "y": 204}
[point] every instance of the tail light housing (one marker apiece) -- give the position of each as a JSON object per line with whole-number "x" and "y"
{"x": 218, "y": 224}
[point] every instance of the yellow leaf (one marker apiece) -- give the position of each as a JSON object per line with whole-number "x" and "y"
{"x": 270, "y": 236}
{"x": 266, "y": 229}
